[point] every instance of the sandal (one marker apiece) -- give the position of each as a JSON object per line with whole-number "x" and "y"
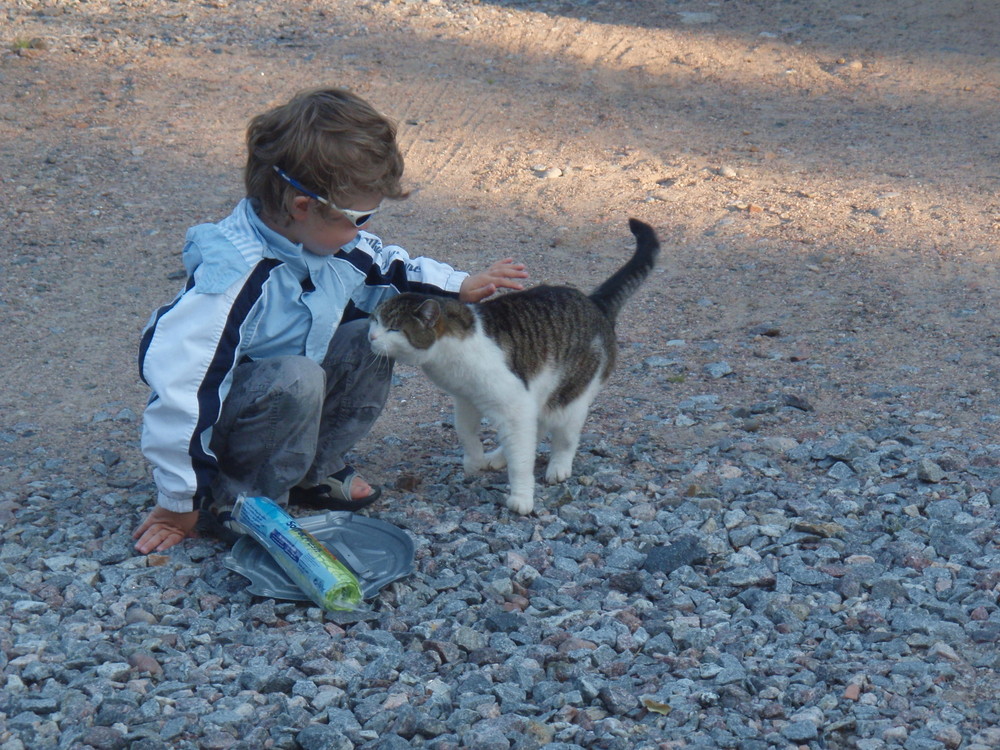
{"x": 333, "y": 493}
{"x": 215, "y": 523}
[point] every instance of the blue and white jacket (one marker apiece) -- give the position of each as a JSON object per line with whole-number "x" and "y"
{"x": 251, "y": 294}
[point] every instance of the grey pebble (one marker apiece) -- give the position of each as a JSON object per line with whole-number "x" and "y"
{"x": 547, "y": 173}
{"x": 929, "y": 471}
{"x": 666, "y": 559}
{"x": 718, "y": 370}
{"x": 800, "y": 731}
{"x": 323, "y": 737}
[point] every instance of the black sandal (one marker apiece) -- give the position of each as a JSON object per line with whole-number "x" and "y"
{"x": 215, "y": 524}
{"x": 334, "y": 493}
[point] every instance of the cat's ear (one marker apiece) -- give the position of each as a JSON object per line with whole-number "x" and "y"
{"x": 428, "y": 313}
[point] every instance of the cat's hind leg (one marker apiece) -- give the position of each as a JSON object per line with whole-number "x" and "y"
{"x": 565, "y": 427}
{"x": 495, "y": 459}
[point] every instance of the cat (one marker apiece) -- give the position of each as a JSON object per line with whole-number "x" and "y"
{"x": 531, "y": 362}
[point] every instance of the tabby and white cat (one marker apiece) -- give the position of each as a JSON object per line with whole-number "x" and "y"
{"x": 531, "y": 362}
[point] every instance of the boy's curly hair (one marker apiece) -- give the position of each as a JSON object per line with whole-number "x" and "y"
{"x": 330, "y": 140}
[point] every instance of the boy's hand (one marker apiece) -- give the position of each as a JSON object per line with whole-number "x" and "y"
{"x": 163, "y": 528}
{"x": 503, "y": 273}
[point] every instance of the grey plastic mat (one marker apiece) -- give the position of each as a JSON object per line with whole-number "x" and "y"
{"x": 376, "y": 552}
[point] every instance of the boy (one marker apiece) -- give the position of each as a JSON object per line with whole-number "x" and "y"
{"x": 260, "y": 369}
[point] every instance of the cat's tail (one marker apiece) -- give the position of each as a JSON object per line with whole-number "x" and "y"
{"x": 611, "y": 296}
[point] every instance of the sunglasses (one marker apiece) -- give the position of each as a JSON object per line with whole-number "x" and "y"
{"x": 358, "y": 218}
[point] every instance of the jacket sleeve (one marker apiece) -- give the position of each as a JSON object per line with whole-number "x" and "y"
{"x": 188, "y": 352}
{"x": 390, "y": 270}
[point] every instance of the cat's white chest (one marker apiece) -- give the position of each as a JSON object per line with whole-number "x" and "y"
{"x": 470, "y": 367}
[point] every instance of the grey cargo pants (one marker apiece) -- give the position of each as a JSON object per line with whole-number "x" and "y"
{"x": 287, "y": 419}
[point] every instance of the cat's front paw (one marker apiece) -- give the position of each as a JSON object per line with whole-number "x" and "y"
{"x": 522, "y": 504}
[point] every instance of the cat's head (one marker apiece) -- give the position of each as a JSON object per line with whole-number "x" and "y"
{"x": 407, "y": 326}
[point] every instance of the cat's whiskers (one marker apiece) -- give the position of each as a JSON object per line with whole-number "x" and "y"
{"x": 377, "y": 361}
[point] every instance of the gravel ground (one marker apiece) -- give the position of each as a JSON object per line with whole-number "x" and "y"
{"x": 783, "y": 527}
{"x": 760, "y": 592}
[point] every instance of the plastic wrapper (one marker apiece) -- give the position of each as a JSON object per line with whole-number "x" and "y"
{"x": 313, "y": 568}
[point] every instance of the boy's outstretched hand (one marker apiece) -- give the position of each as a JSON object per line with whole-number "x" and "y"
{"x": 163, "y": 528}
{"x": 504, "y": 273}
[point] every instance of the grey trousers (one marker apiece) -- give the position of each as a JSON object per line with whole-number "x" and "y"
{"x": 287, "y": 419}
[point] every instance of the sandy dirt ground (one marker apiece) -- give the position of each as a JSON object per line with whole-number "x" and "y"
{"x": 823, "y": 175}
